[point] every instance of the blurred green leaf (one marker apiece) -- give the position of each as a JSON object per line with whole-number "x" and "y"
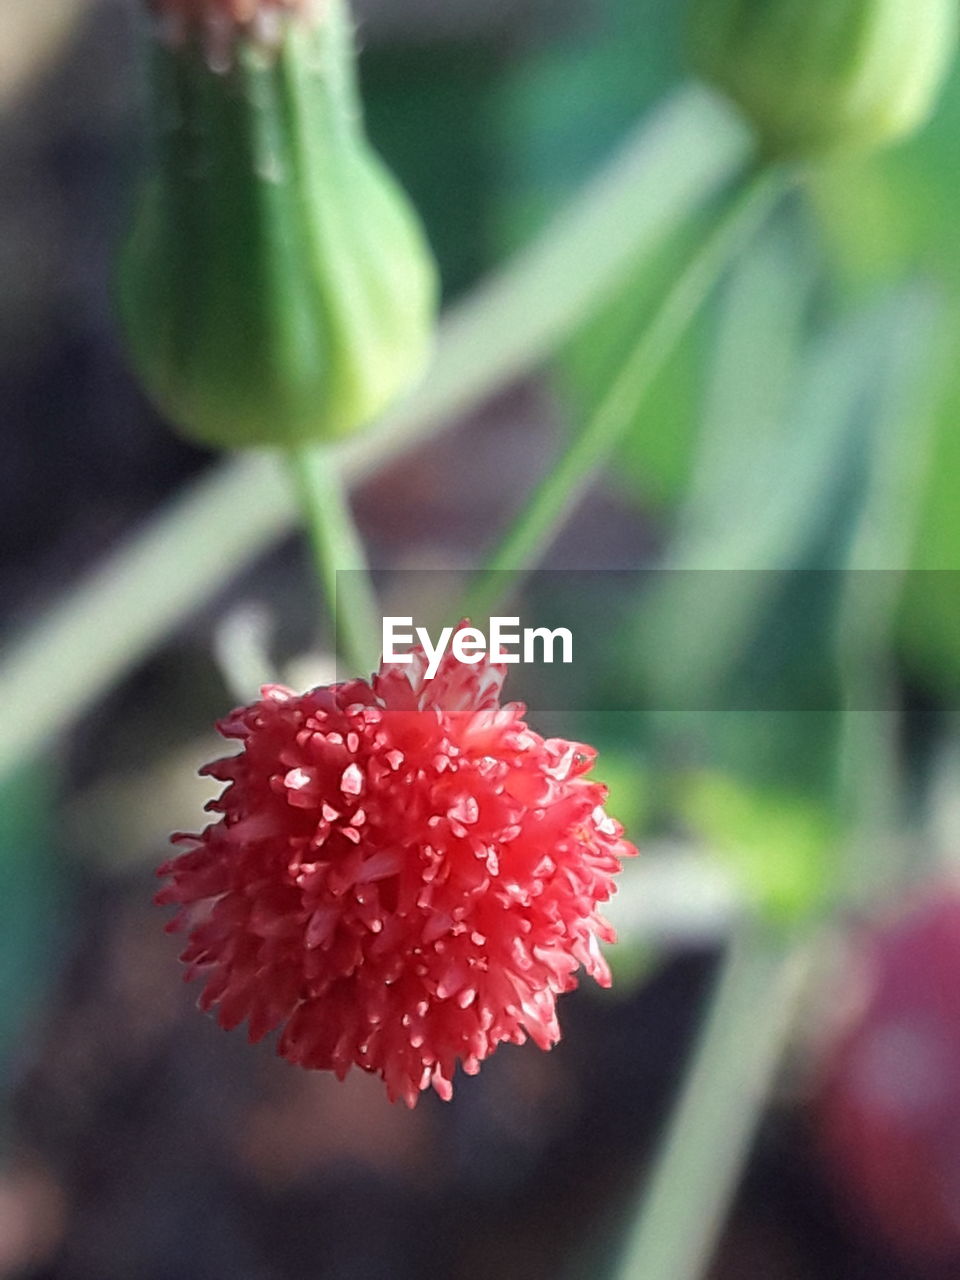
{"x": 654, "y": 462}
{"x": 31, "y": 885}
{"x": 560, "y": 108}
{"x": 429, "y": 110}
{"x": 897, "y": 212}
{"x": 560, "y": 112}
{"x": 771, "y": 496}
{"x": 827, "y": 488}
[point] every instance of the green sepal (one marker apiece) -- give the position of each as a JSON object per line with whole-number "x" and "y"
{"x": 276, "y": 287}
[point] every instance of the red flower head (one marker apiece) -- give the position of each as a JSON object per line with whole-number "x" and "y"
{"x": 403, "y": 876}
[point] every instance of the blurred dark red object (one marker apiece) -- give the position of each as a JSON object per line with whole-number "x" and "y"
{"x": 888, "y": 1113}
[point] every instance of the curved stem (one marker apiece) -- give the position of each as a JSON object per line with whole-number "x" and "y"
{"x": 338, "y": 556}
{"x": 591, "y": 448}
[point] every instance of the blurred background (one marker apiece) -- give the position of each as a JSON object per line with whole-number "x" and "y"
{"x": 807, "y": 422}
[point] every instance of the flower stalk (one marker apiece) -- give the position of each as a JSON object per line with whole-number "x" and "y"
{"x": 593, "y": 446}
{"x": 338, "y": 555}
{"x": 712, "y": 1124}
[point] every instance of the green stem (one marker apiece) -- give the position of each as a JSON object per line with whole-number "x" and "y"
{"x": 712, "y": 1126}
{"x": 591, "y": 448}
{"x": 338, "y": 556}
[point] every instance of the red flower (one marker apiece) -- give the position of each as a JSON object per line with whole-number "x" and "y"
{"x": 404, "y": 875}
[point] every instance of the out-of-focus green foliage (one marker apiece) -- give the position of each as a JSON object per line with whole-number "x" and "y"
{"x": 781, "y": 844}
{"x": 558, "y": 115}
{"x": 565, "y": 106}
{"x": 657, "y": 453}
{"x": 31, "y": 884}
{"x": 430, "y": 112}
{"x": 797, "y": 425}
{"x": 898, "y": 212}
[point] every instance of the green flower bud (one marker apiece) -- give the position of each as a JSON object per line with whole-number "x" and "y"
{"x": 821, "y": 75}
{"x": 276, "y": 287}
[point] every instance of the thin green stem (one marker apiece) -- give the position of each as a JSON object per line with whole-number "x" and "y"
{"x": 592, "y": 447}
{"x": 712, "y": 1126}
{"x": 338, "y": 556}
